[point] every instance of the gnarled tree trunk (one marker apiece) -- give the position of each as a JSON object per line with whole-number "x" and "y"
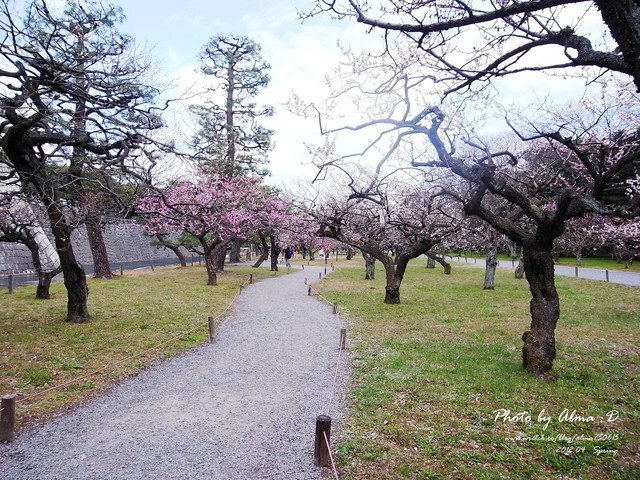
{"x": 212, "y": 254}
{"x": 440, "y": 259}
{"x": 234, "y": 253}
{"x": 275, "y": 252}
{"x": 369, "y": 266}
{"x": 539, "y": 349}
{"x": 490, "y": 268}
{"x": 101, "y": 267}
{"x": 264, "y": 252}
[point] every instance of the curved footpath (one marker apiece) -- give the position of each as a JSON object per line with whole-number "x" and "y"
{"x": 241, "y": 408}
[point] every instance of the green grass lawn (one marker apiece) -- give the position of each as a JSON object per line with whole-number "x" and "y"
{"x": 130, "y": 314}
{"x": 432, "y": 374}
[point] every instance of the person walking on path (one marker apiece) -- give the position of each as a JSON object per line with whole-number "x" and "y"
{"x": 243, "y": 407}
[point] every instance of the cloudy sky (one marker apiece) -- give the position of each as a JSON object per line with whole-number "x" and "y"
{"x": 300, "y": 54}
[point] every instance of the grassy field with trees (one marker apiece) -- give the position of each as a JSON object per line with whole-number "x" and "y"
{"x": 432, "y": 374}
{"x": 438, "y": 389}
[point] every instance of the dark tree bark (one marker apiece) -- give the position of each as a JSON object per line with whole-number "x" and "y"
{"x": 212, "y": 253}
{"x": 264, "y": 252}
{"x": 75, "y": 279}
{"x": 349, "y": 252}
{"x": 490, "y": 268}
{"x": 369, "y": 266}
{"x": 234, "y": 253}
{"x": 101, "y": 267}
{"x": 539, "y": 349}
{"x": 441, "y": 260}
{"x": 175, "y": 248}
{"x": 623, "y": 19}
{"x": 275, "y": 252}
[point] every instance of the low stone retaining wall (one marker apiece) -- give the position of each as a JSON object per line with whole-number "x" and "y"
{"x": 125, "y": 242}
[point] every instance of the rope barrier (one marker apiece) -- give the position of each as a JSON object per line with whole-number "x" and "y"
{"x": 333, "y": 463}
{"x": 314, "y": 292}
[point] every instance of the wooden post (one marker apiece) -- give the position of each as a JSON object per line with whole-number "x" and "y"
{"x": 309, "y": 291}
{"x": 152, "y": 269}
{"x": 319, "y": 274}
{"x": 325, "y": 271}
{"x": 192, "y": 259}
{"x": 321, "y": 455}
{"x": 7, "y": 418}
{"x": 239, "y": 289}
{"x": 10, "y": 283}
{"x": 303, "y": 266}
{"x": 305, "y": 280}
{"x": 576, "y": 272}
{"x": 343, "y": 338}
{"x": 335, "y": 307}
{"x": 212, "y": 329}
{"x": 121, "y": 270}
{"x": 606, "y": 272}
{"x": 250, "y": 278}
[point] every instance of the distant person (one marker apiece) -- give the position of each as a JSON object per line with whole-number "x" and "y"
{"x": 288, "y": 252}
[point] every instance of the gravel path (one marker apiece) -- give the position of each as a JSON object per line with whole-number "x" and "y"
{"x": 242, "y": 408}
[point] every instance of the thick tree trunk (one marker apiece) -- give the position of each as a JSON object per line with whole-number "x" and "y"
{"x": 394, "y": 280}
{"x": 490, "y": 269}
{"x": 539, "y": 349}
{"x": 221, "y": 256}
{"x": 212, "y": 254}
{"x": 274, "y": 253}
{"x": 234, "y": 253}
{"x": 369, "y": 266}
{"x": 75, "y": 279}
{"x": 622, "y": 18}
{"x": 212, "y": 268}
{"x": 101, "y": 268}
{"x": 44, "y": 283}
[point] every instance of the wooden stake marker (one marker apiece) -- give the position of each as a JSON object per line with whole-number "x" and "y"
{"x": 212, "y": 329}
{"x": 343, "y": 338}
{"x": 321, "y": 455}
{"x": 309, "y": 291}
{"x": 7, "y": 418}
{"x": 250, "y": 278}
{"x": 10, "y": 283}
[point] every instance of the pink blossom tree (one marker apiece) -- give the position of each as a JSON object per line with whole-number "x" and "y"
{"x": 213, "y": 208}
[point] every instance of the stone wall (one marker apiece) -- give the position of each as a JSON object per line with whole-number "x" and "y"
{"x": 125, "y": 242}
